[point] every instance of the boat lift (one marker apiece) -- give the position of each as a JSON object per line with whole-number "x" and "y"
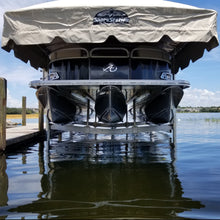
{"x": 131, "y": 124}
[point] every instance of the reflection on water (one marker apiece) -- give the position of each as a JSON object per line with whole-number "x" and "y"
{"x": 111, "y": 150}
{"x": 3, "y": 181}
{"x": 108, "y": 179}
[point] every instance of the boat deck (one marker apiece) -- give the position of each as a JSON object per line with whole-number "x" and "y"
{"x": 125, "y": 83}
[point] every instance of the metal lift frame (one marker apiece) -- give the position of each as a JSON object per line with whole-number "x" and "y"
{"x": 127, "y": 127}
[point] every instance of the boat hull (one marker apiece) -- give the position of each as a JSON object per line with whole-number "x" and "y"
{"x": 88, "y": 102}
{"x": 60, "y": 107}
{"x": 110, "y": 105}
{"x": 160, "y": 108}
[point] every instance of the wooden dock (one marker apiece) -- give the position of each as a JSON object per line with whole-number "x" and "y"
{"x": 21, "y": 134}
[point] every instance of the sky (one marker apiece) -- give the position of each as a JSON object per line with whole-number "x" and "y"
{"x": 203, "y": 75}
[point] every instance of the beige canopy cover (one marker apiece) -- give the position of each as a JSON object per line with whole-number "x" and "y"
{"x": 183, "y": 31}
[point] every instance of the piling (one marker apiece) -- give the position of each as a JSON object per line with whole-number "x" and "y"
{"x": 3, "y": 101}
{"x": 41, "y": 118}
{"x": 23, "y": 110}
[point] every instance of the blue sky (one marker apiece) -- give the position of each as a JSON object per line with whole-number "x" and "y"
{"x": 203, "y": 75}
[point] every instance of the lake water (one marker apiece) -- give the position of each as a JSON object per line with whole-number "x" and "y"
{"x": 116, "y": 179}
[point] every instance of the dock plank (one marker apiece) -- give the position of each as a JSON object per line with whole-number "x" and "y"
{"x": 20, "y": 134}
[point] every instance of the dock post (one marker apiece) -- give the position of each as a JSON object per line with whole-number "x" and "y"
{"x": 3, "y": 101}
{"x": 23, "y": 110}
{"x": 41, "y": 118}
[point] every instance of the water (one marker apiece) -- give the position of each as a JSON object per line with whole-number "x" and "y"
{"x": 19, "y": 120}
{"x": 116, "y": 179}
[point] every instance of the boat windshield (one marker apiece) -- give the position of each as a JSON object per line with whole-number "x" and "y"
{"x": 150, "y": 69}
{"x": 110, "y": 63}
{"x": 69, "y": 69}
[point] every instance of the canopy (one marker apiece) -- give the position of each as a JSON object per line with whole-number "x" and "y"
{"x": 183, "y": 31}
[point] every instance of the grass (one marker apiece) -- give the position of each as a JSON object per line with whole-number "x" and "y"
{"x": 216, "y": 120}
{"x": 18, "y": 116}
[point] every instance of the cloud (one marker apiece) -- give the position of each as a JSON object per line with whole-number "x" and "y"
{"x": 21, "y": 75}
{"x": 200, "y": 97}
{"x": 18, "y": 76}
{"x": 16, "y": 102}
{"x": 11, "y": 101}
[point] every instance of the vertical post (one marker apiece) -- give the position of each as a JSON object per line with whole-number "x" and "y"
{"x": 48, "y": 130}
{"x": 41, "y": 118}
{"x": 88, "y": 106}
{"x": 174, "y": 129}
{"x": 23, "y": 110}
{"x": 173, "y": 144}
{"x": 134, "y": 113}
{"x": 3, "y": 101}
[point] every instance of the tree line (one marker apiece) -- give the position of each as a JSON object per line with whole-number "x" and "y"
{"x": 199, "y": 109}
{"x": 210, "y": 109}
{"x": 19, "y": 111}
